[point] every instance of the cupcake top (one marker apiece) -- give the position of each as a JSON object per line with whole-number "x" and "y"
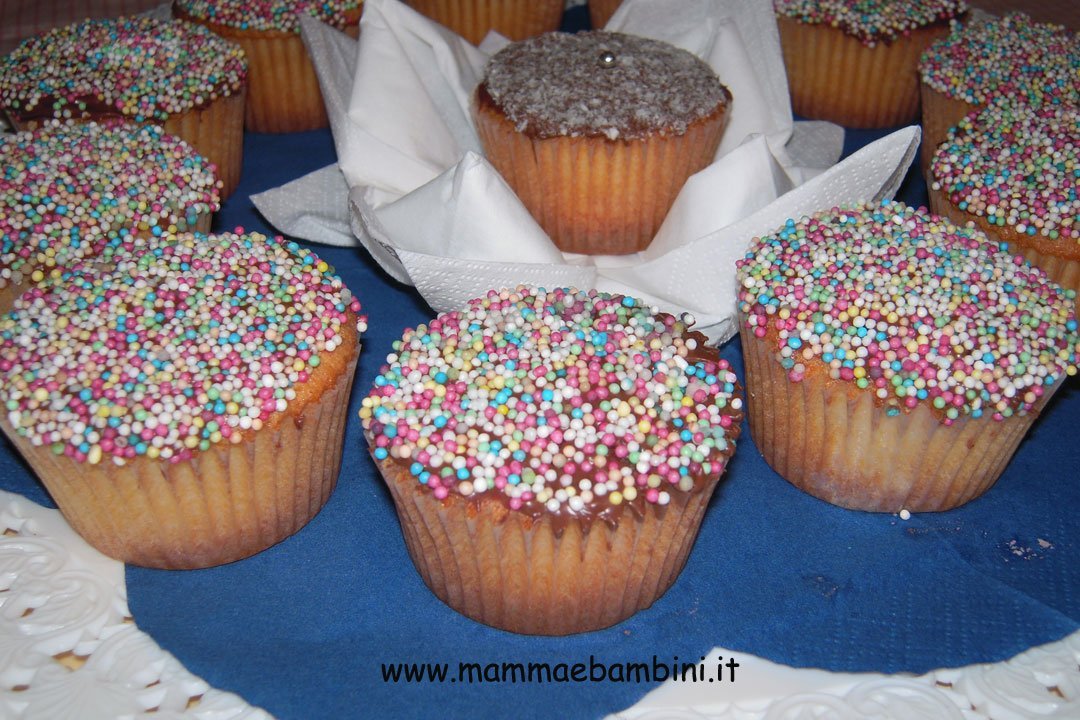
{"x": 872, "y": 21}
{"x": 283, "y": 15}
{"x": 138, "y": 67}
{"x": 601, "y": 84}
{"x": 1015, "y": 167}
{"x": 1009, "y": 58}
{"x": 911, "y": 307}
{"x": 66, "y": 189}
{"x": 169, "y": 345}
{"x": 559, "y": 402}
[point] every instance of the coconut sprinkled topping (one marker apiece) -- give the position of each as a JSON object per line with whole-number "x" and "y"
{"x": 910, "y": 307}
{"x": 139, "y": 67}
{"x": 169, "y": 345}
{"x": 67, "y": 189}
{"x": 601, "y": 84}
{"x": 556, "y": 401}
{"x": 1015, "y": 167}
{"x": 1006, "y": 59}
{"x": 268, "y": 14}
{"x": 872, "y": 21}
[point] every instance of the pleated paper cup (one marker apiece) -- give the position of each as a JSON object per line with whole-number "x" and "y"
{"x": 832, "y": 440}
{"x": 833, "y": 76}
{"x": 473, "y": 19}
{"x": 223, "y": 504}
{"x": 593, "y": 195}
{"x": 1060, "y": 259}
{"x": 283, "y": 90}
{"x": 543, "y": 576}
{"x": 600, "y": 11}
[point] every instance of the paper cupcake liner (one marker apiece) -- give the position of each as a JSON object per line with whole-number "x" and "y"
{"x": 16, "y": 286}
{"x": 1059, "y": 259}
{"x": 283, "y": 91}
{"x": 593, "y": 195}
{"x": 834, "y": 441}
{"x": 502, "y": 568}
{"x": 833, "y": 76}
{"x": 217, "y": 133}
{"x": 223, "y": 504}
{"x": 600, "y": 11}
{"x": 939, "y": 113}
{"x": 472, "y": 19}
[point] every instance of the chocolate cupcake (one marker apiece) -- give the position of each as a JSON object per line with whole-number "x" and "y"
{"x": 597, "y": 132}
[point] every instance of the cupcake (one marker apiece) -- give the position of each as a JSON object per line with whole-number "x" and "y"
{"x": 600, "y": 11}
{"x": 169, "y": 73}
{"x": 597, "y": 132}
{"x": 67, "y": 190}
{"x": 1013, "y": 171}
{"x": 1009, "y": 60}
{"x": 854, "y": 61}
{"x": 283, "y": 92}
{"x": 183, "y": 399}
{"x": 551, "y": 454}
{"x": 473, "y": 19}
{"x": 894, "y": 360}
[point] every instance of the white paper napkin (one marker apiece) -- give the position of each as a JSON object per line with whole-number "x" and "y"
{"x": 418, "y": 194}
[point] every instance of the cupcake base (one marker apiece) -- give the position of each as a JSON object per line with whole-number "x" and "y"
{"x": 836, "y": 442}
{"x": 472, "y": 19}
{"x": 283, "y": 90}
{"x": 593, "y": 195}
{"x": 543, "y": 576}
{"x": 226, "y": 503}
{"x": 1060, "y": 259}
{"x": 833, "y": 76}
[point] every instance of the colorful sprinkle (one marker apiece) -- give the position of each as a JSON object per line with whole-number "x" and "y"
{"x": 169, "y": 345}
{"x": 67, "y": 189}
{"x": 908, "y": 305}
{"x": 872, "y": 21}
{"x": 1015, "y": 167}
{"x": 557, "y": 401}
{"x": 139, "y": 67}
{"x": 281, "y": 15}
{"x": 1009, "y": 59}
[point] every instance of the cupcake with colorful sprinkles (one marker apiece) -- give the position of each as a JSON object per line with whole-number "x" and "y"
{"x": 894, "y": 361}
{"x": 183, "y": 399}
{"x": 551, "y": 453}
{"x": 169, "y": 73}
{"x": 67, "y": 190}
{"x": 854, "y": 62}
{"x": 1010, "y": 60}
{"x": 1013, "y": 171}
{"x": 283, "y": 91}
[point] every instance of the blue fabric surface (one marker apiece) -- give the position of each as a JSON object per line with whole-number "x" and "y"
{"x": 302, "y": 628}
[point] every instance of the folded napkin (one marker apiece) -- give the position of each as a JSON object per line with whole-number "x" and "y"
{"x": 414, "y": 189}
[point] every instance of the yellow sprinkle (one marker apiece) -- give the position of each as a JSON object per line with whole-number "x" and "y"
{"x": 615, "y": 498}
